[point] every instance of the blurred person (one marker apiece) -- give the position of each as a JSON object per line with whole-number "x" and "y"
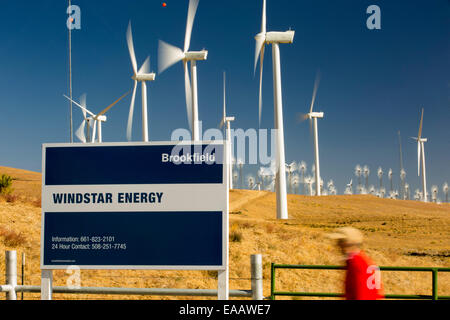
{"x": 363, "y": 277}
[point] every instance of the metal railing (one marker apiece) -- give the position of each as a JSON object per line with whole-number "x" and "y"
{"x": 11, "y": 288}
{"x": 434, "y": 289}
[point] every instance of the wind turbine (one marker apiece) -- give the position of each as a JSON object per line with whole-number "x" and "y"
{"x": 168, "y": 55}
{"x": 251, "y": 182}
{"x": 421, "y": 159}
{"x": 434, "y": 193}
{"x": 349, "y": 189}
{"x": 291, "y": 168}
{"x": 313, "y": 116}
{"x": 227, "y": 121}
{"x": 358, "y": 173}
{"x": 80, "y": 133}
{"x": 390, "y": 179}
{"x": 380, "y": 176}
{"x": 302, "y": 169}
{"x": 366, "y": 172}
{"x": 95, "y": 120}
{"x": 275, "y": 38}
{"x": 142, "y": 75}
{"x": 445, "y": 190}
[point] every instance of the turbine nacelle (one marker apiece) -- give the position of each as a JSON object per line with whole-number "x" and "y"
{"x": 196, "y": 55}
{"x": 229, "y": 119}
{"x": 99, "y": 118}
{"x": 315, "y": 115}
{"x": 144, "y": 77}
{"x": 280, "y": 37}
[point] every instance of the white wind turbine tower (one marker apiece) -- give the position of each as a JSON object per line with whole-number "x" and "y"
{"x": 403, "y": 183}
{"x": 168, "y": 55}
{"x": 95, "y": 120}
{"x": 445, "y": 190}
{"x": 275, "y": 38}
{"x": 421, "y": 159}
{"x": 227, "y": 121}
{"x": 390, "y": 180}
{"x": 142, "y": 75}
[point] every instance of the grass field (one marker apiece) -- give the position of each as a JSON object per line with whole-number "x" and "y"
{"x": 397, "y": 233}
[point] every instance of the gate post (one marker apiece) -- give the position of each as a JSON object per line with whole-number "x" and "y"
{"x": 11, "y": 274}
{"x": 257, "y": 277}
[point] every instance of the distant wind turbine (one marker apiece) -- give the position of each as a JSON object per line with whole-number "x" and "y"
{"x": 302, "y": 169}
{"x": 95, "y": 120}
{"x": 142, "y": 75}
{"x": 366, "y": 172}
{"x": 390, "y": 179}
{"x": 313, "y": 116}
{"x": 421, "y": 159}
{"x": 275, "y": 38}
{"x": 434, "y": 193}
{"x": 349, "y": 188}
{"x": 169, "y": 55}
{"x": 290, "y": 169}
{"x": 380, "y": 176}
{"x": 445, "y": 190}
{"x": 358, "y": 173}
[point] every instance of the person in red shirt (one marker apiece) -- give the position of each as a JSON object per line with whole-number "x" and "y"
{"x": 363, "y": 277}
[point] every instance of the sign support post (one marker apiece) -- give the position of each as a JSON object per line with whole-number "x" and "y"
{"x": 46, "y": 284}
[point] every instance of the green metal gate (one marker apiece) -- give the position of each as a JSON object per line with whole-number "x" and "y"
{"x": 434, "y": 288}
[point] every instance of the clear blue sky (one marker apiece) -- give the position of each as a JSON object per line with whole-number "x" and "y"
{"x": 373, "y": 82}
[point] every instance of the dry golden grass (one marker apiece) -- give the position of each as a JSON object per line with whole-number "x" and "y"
{"x": 398, "y": 233}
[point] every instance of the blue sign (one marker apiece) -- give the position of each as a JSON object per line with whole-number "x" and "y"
{"x": 134, "y": 206}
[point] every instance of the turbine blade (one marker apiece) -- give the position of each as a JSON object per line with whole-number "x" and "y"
{"x": 316, "y": 86}
{"x": 131, "y": 48}
{"x": 260, "y": 39}
{"x": 261, "y": 68}
{"x": 111, "y": 105}
{"x": 130, "y": 115}
{"x": 83, "y": 103}
{"x": 168, "y": 55}
{"x": 145, "y": 68}
{"x": 420, "y": 126}
{"x": 193, "y": 4}
{"x": 188, "y": 92}
{"x": 80, "y": 132}
{"x": 80, "y": 106}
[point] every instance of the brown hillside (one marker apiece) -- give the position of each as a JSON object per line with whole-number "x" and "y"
{"x": 398, "y": 233}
